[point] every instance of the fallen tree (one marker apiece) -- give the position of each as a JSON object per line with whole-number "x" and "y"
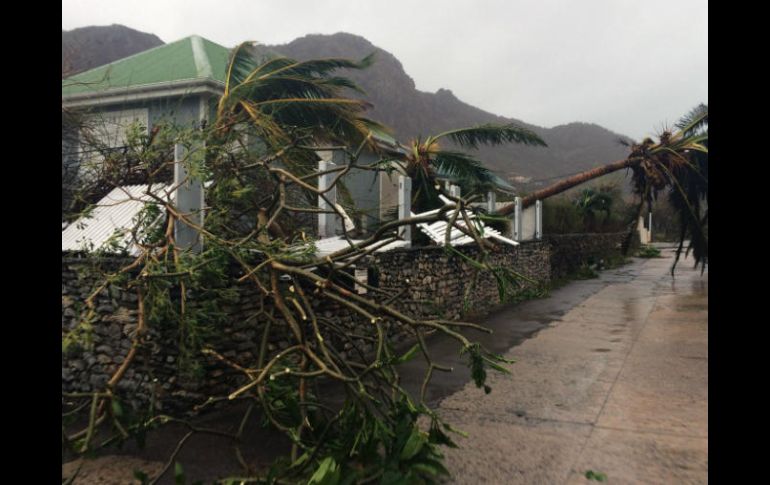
{"x": 677, "y": 163}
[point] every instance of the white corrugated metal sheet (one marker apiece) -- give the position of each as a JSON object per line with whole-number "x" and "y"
{"x": 330, "y": 245}
{"x": 111, "y": 219}
{"x": 437, "y": 230}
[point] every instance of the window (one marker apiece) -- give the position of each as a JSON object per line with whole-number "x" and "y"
{"x": 109, "y": 129}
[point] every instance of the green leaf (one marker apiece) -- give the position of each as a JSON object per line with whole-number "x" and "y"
{"x": 117, "y": 409}
{"x": 242, "y": 192}
{"x": 437, "y": 436}
{"x": 327, "y": 473}
{"x": 394, "y": 477}
{"x": 414, "y": 444}
{"x": 141, "y": 476}
{"x": 179, "y": 478}
{"x": 496, "y": 367}
{"x": 598, "y": 476}
{"x": 492, "y": 134}
{"x": 422, "y": 467}
{"x": 408, "y": 355}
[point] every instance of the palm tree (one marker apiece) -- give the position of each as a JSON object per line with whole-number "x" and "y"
{"x": 678, "y": 163}
{"x": 691, "y": 193}
{"x": 289, "y": 107}
{"x": 589, "y": 202}
{"x": 282, "y": 99}
{"x": 427, "y": 158}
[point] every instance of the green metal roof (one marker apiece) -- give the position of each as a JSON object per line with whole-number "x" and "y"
{"x": 191, "y": 58}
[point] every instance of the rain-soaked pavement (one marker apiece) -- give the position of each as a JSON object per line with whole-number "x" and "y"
{"x": 611, "y": 376}
{"x": 617, "y": 384}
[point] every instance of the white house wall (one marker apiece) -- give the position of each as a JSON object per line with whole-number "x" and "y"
{"x": 388, "y": 195}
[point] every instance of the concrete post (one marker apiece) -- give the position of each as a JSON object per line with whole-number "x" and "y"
{"x": 405, "y": 206}
{"x": 327, "y": 222}
{"x": 649, "y": 227}
{"x": 539, "y": 219}
{"x": 188, "y": 199}
{"x": 644, "y": 233}
{"x": 491, "y": 201}
{"x": 517, "y": 219}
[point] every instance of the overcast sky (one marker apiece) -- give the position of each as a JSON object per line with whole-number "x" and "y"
{"x": 633, "y": 66}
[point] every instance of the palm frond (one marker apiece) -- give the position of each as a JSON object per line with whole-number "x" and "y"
{"x": 695, "y": 121}
{"x": 461, "y": 166}
{"x": 491, "y": 134}
{"x": 240, "y": 64}
{"x": 322, "y": 67}
{"x": 281, "y": 96}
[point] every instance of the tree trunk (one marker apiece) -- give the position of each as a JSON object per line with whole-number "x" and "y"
{"x": 570, "y": 182}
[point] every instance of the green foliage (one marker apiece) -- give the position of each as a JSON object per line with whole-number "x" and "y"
{"x": 648, "y": 252}
{"x": 327, "y": 473}
{"x": 149, "y": 224}
{"x": 80, "y": 337}
{"x": 479, "y": 360}
{"x": 491, "y": 134}
{"x": 585, "y": 272}
{"x": 598, "y": 476}
{"x": 207, "y": 291}
{"x": 361, "y": 445}
{"x": 179, "y": 476}
{"x": 500, "y": 223}
{"x": 506, "y": 278}
{"x": 140, "y": 475}
{"x": 427, "y": 159}
{"x": 530, "y": 292}
{"x": 678, "y": 165}
{"x": 599, "y": 209}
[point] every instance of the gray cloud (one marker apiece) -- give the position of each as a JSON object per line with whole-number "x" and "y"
{"x": 631, "y": 66}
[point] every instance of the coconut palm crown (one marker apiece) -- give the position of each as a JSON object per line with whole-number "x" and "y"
{"x": 426, "y": 157}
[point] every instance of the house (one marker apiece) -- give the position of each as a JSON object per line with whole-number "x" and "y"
{"x": 180, "y": 83}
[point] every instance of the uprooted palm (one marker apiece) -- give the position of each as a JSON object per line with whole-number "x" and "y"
{"x": 678, "y": 163}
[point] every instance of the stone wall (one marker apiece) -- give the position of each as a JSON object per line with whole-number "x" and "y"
{"x": 156, "y": 373}
{"x": 438, "y": 284}
{"x": 430, "y": 282}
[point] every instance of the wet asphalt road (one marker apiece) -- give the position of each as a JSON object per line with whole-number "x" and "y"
{"x": 616, "y": 385}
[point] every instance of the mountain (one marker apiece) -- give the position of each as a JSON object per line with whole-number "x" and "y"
{"x": 88, "y": 47}
{"x": 398, "y": 103}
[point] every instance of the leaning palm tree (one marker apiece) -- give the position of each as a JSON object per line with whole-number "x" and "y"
{"x": 286, "y": 108}
{"x": 285, "y": 102}
{"x": 427, "y": 159}
{"x": 676, "y": 163}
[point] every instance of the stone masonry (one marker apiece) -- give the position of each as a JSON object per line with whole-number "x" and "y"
{"x": 430, "y": 282}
